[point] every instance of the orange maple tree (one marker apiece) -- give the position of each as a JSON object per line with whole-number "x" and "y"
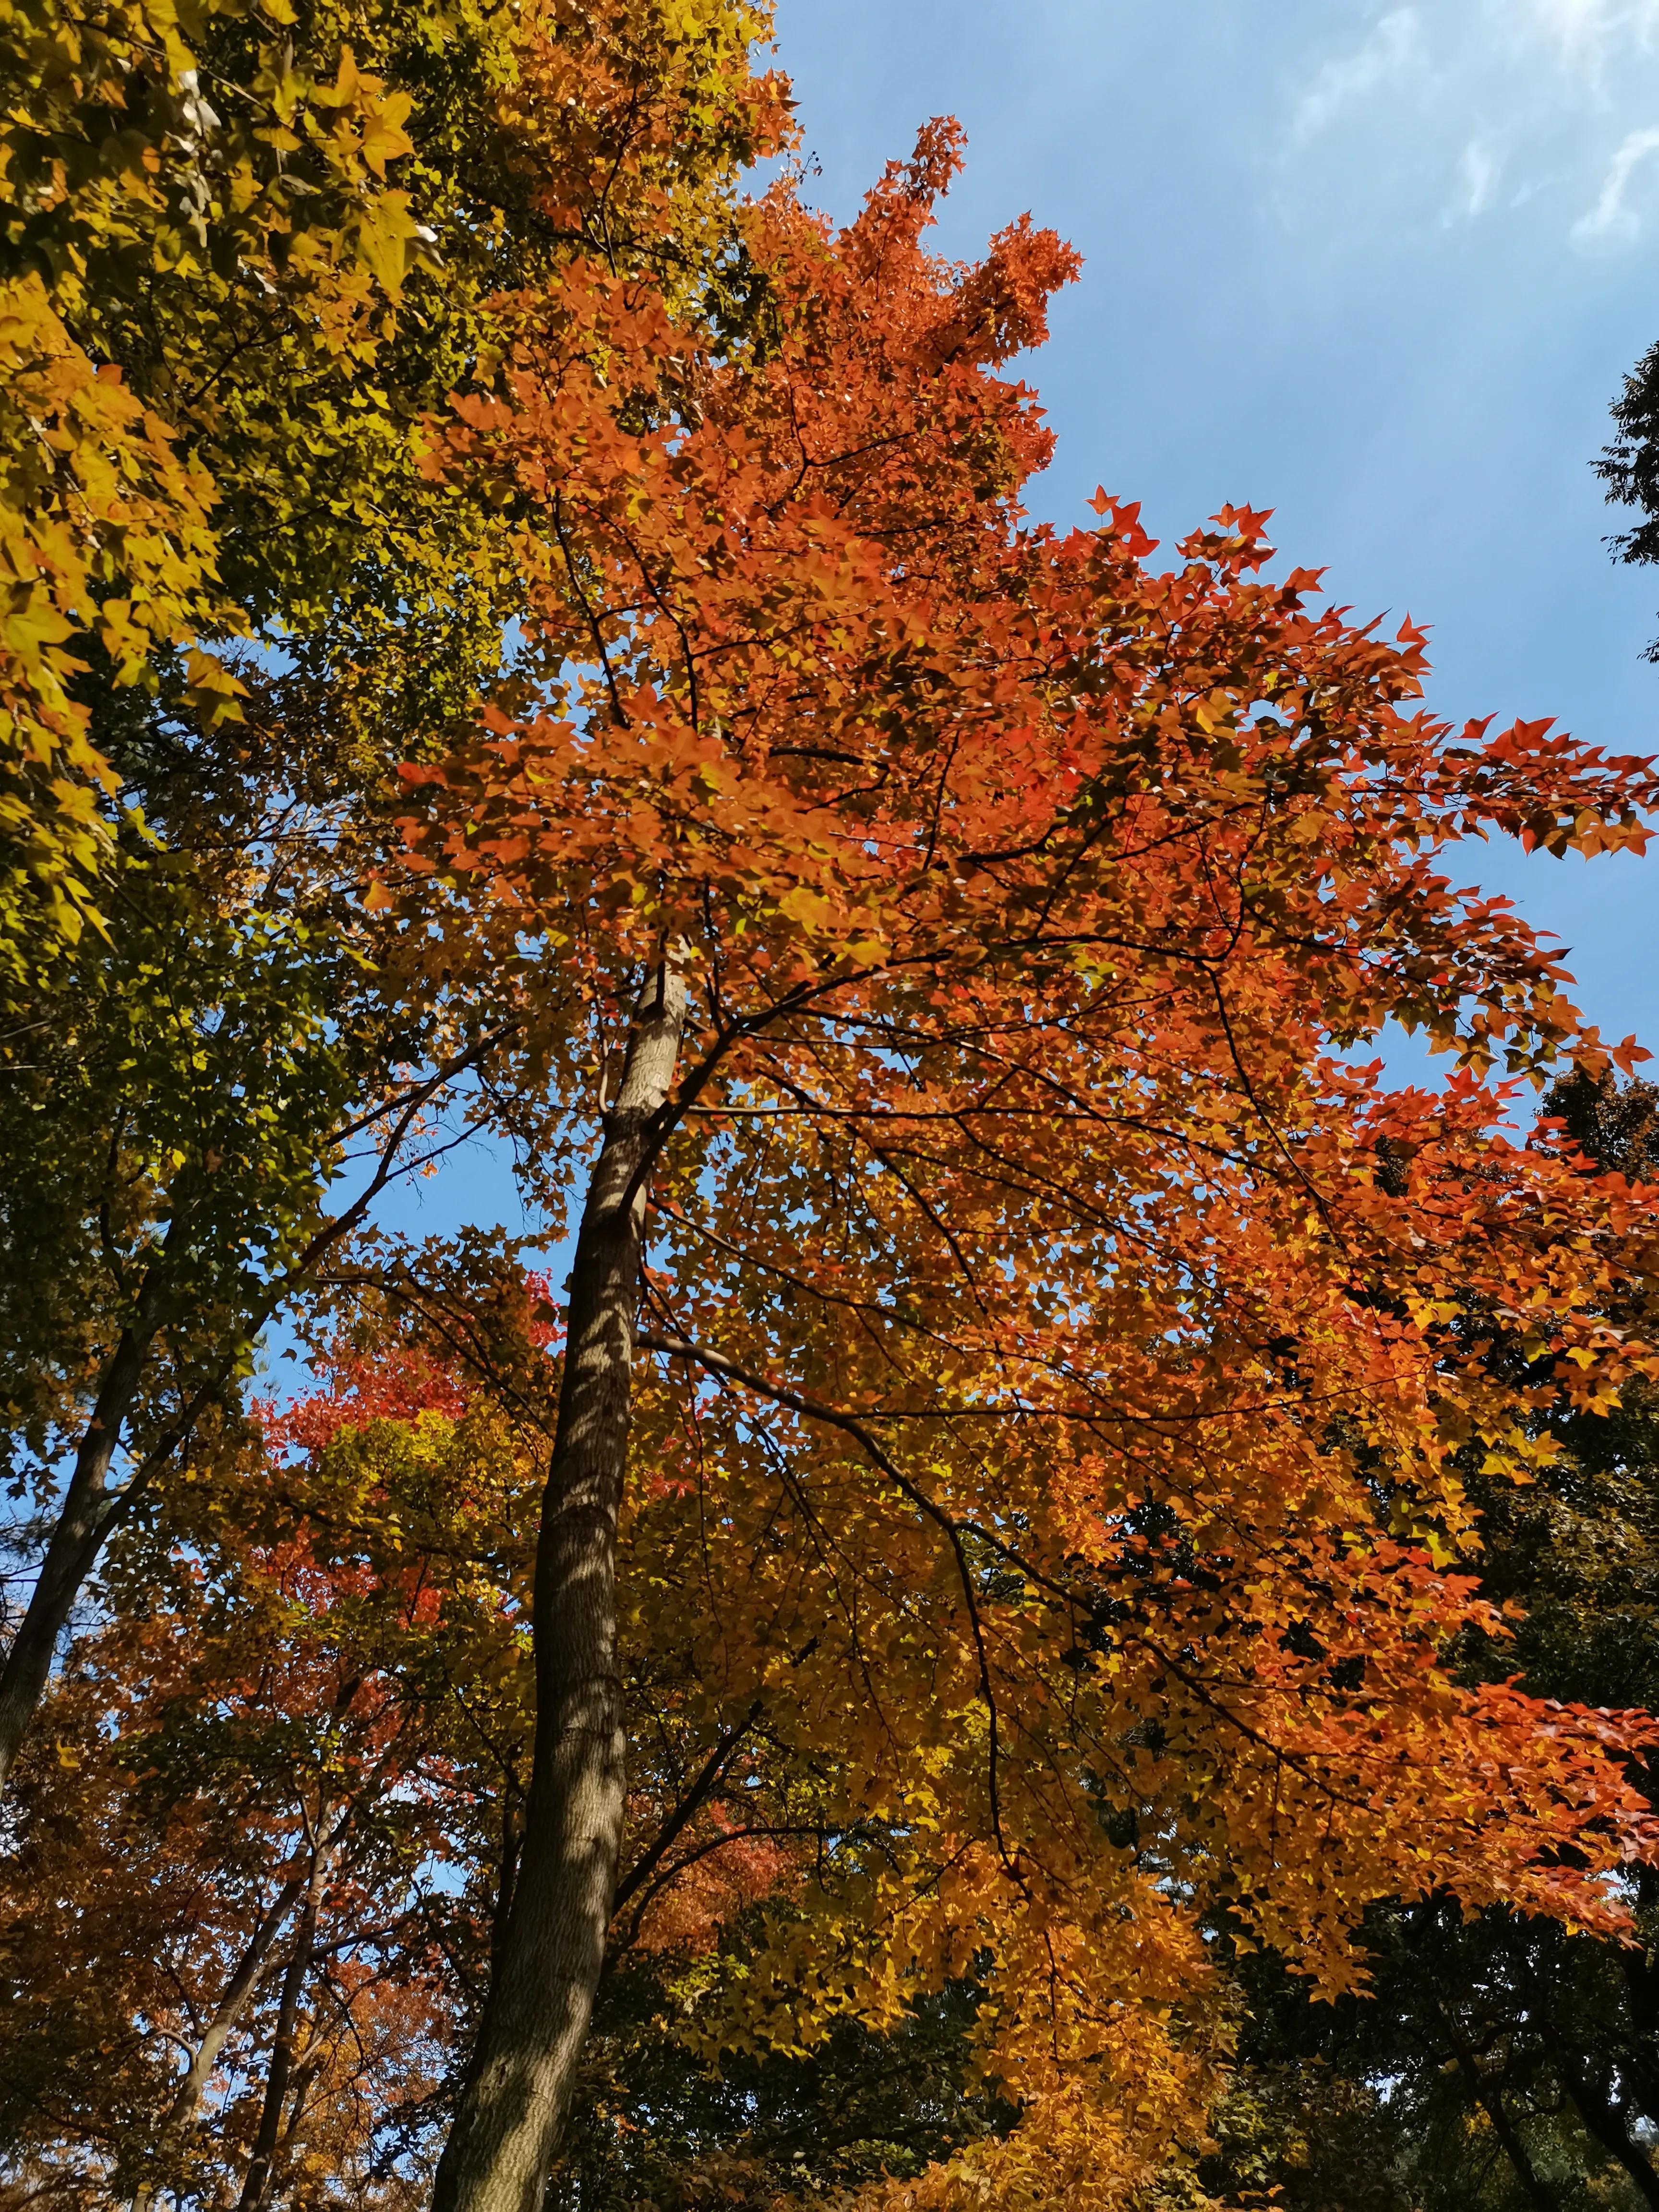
{"x": 262, "y": 1846}
{"x": 236, "y": 1900}
{"x": 1053, "y": 1352}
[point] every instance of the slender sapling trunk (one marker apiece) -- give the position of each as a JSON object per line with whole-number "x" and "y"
{"x": 83, "y": 1524}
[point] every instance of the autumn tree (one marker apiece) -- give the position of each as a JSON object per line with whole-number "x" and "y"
{"x": 256, "y": 1847}
{"x": 262, "y": 1848}
{"x": 1518, "y": 2055}
{"x": 1047, "y": 1353}
{"x": 1010, "y": 1501}
{"x": 209, "y": 1091}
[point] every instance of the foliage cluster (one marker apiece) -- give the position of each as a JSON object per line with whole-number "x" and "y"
{"x": 1058, "y": 1609}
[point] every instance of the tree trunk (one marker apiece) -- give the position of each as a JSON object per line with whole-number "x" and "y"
{"x": 1604, "y": 2121}
{"x": 262, "y": 2166}
{"x": 82, "y": 1525}
{"x": 238, "y": 1990}
{"x": 541, "y": 1993}
{"x": 1488, "y": 2097}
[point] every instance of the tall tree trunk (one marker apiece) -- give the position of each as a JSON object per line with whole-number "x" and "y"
{"x": 541, "y": 1992}
{"x": 82, "y": 1525}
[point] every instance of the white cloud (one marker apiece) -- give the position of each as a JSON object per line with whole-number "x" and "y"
{"x": 1611, "y": 219}
{"x": 1540, "y": 114}
{"x": 1587, "y": 33}
{"x": 1478, "y": 172}
{"x": 1393, "y": 51}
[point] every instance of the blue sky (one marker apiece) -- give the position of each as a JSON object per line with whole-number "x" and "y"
{"x": 1380, "y": 267}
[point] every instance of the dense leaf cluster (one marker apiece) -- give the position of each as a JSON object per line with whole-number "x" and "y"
{"x": 1054, "y": 1602}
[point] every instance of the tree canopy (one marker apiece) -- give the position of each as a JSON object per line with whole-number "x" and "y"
{"x": 989, "y": 1571}
{"x": 193, "y": 1078}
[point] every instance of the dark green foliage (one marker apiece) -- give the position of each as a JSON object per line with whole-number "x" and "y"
{"x": 1630, "y": 466}
{"x": 657, "y": 2128}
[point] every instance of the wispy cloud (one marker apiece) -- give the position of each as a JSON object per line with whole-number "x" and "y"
{"x": 1613, "y": 219}
{"x": 1393, "y": 51}
{"x": 1478, "y": 172}
{"x": 1407, "y": 116}
{"x": 1586, "y": 33}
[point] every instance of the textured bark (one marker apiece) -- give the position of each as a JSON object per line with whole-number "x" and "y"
{"x": 541, "y": 1994}
{"x": 83, "y": 1523}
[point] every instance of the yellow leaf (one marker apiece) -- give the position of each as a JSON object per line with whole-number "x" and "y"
{"x": 384, "y": 137}
{"x": 385, "y": 236}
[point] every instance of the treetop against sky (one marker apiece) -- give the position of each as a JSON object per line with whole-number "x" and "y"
{"x": 1379, "y": 268}
{"x": 982, "y": 1536}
